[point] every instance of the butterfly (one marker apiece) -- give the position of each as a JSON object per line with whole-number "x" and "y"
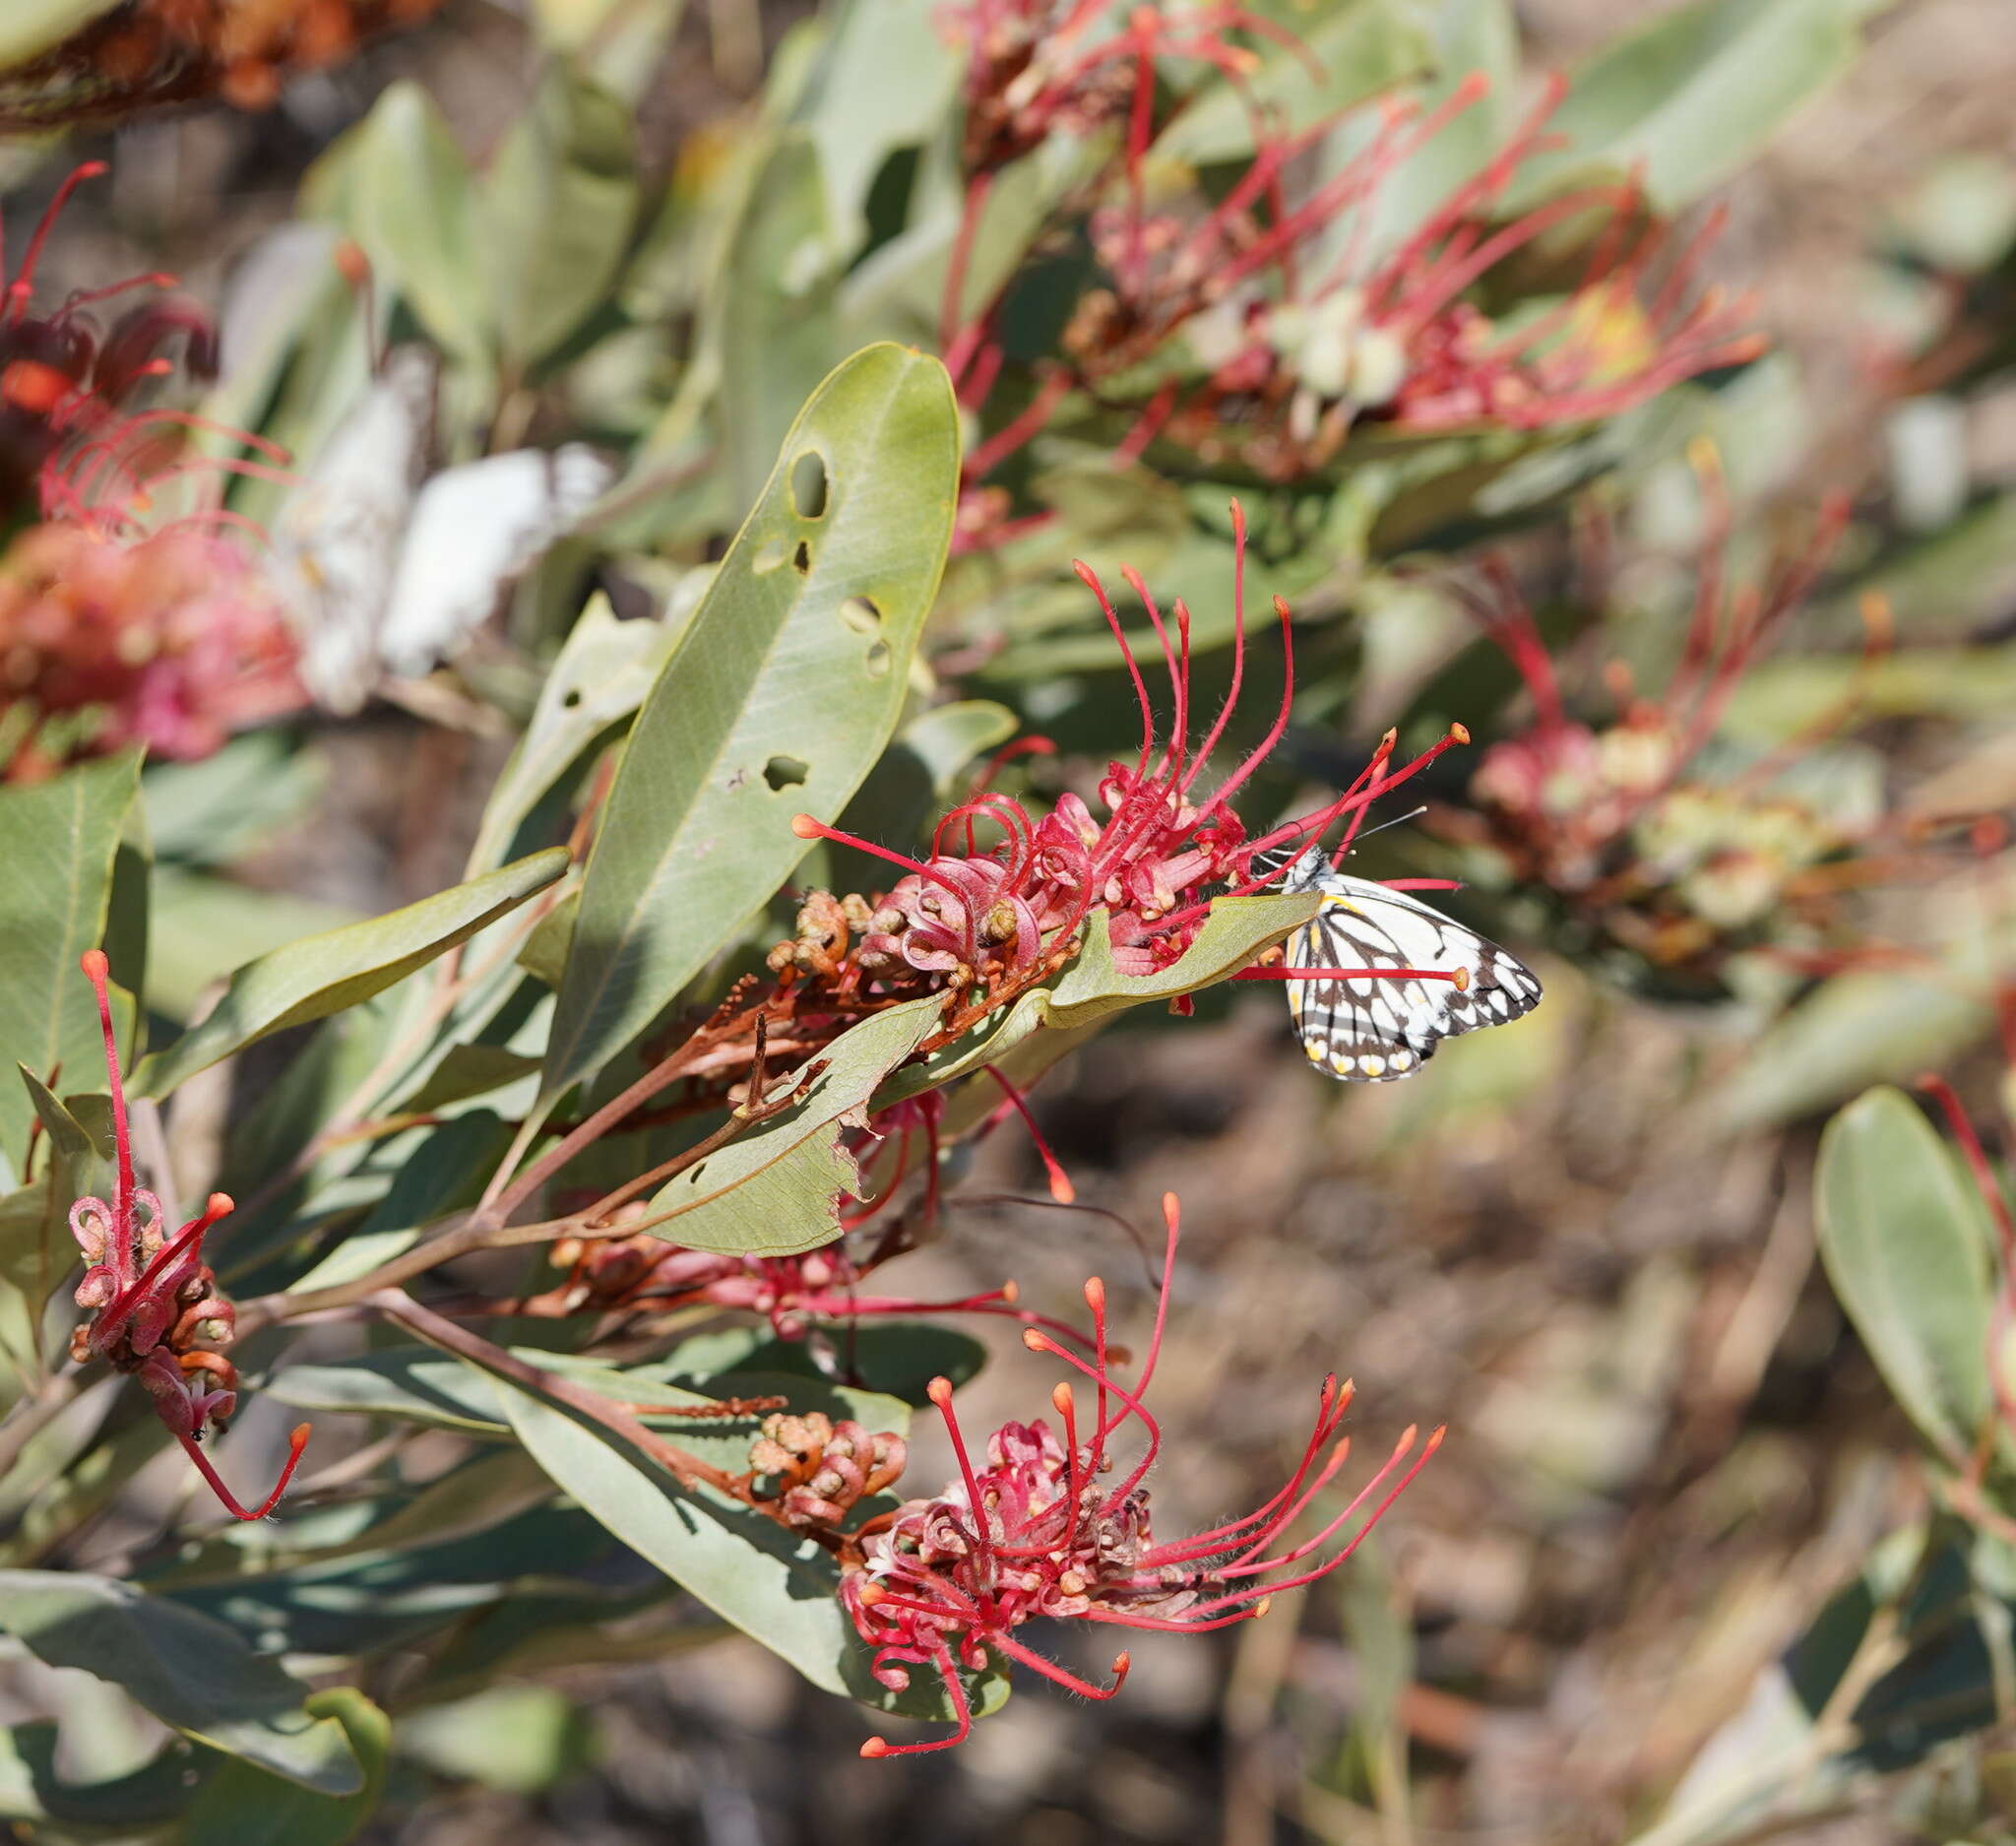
{"x": 389, "y": 569}
{"x": 1372, "y": 1031}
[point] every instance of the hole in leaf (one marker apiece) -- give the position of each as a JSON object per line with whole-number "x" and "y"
{"x": 769, "y": 555}
{"x": 802, "y": 558}
{"x": 878, "y": 658}
{"x": 573, "y": 698}
{"x": 808, "y": 484}
{"x": 785, "y": 772}
{"x": 862, "y": 615}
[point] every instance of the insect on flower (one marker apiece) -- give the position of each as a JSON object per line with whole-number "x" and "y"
{"x": 159, "y": 1314}
{"x": 1035, "y": 1529}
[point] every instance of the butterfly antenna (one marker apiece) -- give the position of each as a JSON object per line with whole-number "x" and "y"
{"x": 1413, "y": 814}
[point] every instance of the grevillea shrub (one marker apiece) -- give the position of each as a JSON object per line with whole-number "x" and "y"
{"x": 892, "y": 587}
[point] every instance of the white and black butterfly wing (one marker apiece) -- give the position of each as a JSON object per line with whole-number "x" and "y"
{"x": 476, "y": 530}
{"x": 1376, "y": 1029}
{"x": 335, "y": 542}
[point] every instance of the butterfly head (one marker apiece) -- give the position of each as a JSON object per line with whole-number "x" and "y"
{"x": 1291, "y": 870}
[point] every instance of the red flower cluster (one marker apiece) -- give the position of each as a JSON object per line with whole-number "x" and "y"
{"x": 1294, "y": 356}
{"x": 995, "y": 919}
{"x": 171, "y": 641}
{"x": 158, "y": 1314}
{"x": 1034, "y": 1531}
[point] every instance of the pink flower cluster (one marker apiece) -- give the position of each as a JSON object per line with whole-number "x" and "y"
{"x": 1032, "y": 1529}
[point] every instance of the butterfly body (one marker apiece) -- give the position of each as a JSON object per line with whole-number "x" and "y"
{"x": 1383, "y": 1027}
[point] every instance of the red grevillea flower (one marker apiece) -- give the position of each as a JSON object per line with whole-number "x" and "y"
{"x": 67, "y": 384}
{"x": 171, "y": 641}
{"x": 157, "y": 1311}
{"x": 1296, "y": 351}
{"x": 1560, "y": 795}
{"x": 1152, "y": 859}
{"x": 1032, "y": 1528}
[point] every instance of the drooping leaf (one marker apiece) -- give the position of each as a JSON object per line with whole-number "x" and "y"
{"x": 190, "y": 1671}
{"x": 780, "y": 696}
{"x": 556, "y": 210}
{"x": 33, "y": 1789}
{"x": 775, "y": 1189}
{"x": 250, "y": 1807}
{"x": 323, "y": 974}
{"x": 58, "y": 840}
{"x": 1907, "y": 1247}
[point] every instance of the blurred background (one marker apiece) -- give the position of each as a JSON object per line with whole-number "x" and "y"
{"x": 1585, "y": 1243}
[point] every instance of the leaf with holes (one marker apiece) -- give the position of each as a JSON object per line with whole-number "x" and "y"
{"x": 780, "y": 696}
{"x": 322, "y": 974}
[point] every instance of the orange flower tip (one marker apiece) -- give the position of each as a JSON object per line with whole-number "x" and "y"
{"x": 1459, "y": 733}
{"x": 1086, "y": 574}
{"x": 1123, "y": 1663}
{"x": 939, "y": 1391}
{"x": 1061, "y": 1400}
{"x": 805, "y": 827}
{"x": 351, "y": 264}
{"x": 1035, "y": 1340}
{"x": 1462, "y": 981}
{"x": 1095, "y": 1294}
{"x": 1435, "y": 1436}
{"x": 298, "y": 1440}
{"x": 1061, "y": 1189}
{"x": 1476, "y": 85}
{"x": 1387, "y": 742}
{"x": 218, "y": 1205}
{"x": 95, "y": 965}
{"x": 1262, "y": 1607}
{"x": 1281, "y": 608}
{"x": 1011, "y": 1292}
{"x": 875, "y": 1747}
{"x": 1171, "y": 1210}
{"x": 871, "y": 1594}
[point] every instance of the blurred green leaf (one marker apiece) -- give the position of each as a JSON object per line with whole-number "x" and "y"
{"x": 398, "y": 183}
{"x": 1697, "y": 93}
{"x": 213, "y": 811}
{"x": 775, "y": 1189}
{"x": 190, "y": 1671}
{"x": 205, "y": 927}
{"x": 248, "y": 1807}
{"x": 555, "y": 211}
{"x": 519, "y": 1739}
{"x": 1905, "y": 1242}
{"x": 30, "y": 1789}
{"x": 58, "y": 840}
{"x": 323, "y": 974}
{"x": 778, "y": 698}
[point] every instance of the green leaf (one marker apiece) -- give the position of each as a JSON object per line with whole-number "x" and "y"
{"x": 519, "y": 1739}
{"x": 779, "y": 1590}
{"x": 194, "y": 1672}
{"x": 775, "y": 1189}
{"x": 401, "y": 185}
{"x": 205, "y": 927}
{"x": 249, "y": 1808}
{"x": 219, "y": 809}
{"x": 30, "y": 1789}
{"x": 1092, "y": 991}
{"x": 556, "y": 210}
{"x": 794, "y": 665}
{"x": 1905, "y": 1242}
{"x": 58, "y": 841}
{"x": 599, "y": 678}
{"x": 1688, "y": 100}
{"x": 326, "y": 974}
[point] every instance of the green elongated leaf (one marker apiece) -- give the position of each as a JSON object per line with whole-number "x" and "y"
{"x": 1092, "y": 991}
{"x": 401, "y": 185}
{"x": 1697, "y": 93}
{"x": 1855, "y": 1028}
{"x": 214, "y": 811}
{"x": 776, "y": 313}
{"x": 778, "y": 698}
{"x": 250, "y": 1807}
{"x": 1905, "y": 1242}
{"x": 521, "y": 1739}
{"x": 326, "y": 974}
{"x": 32, "y": 1790}
{"x": 192, "y": 1672}
{"x": 556, "y": 210}
{"x": 774, "y": 1191}
{"x": 780, "y": 1591}
{"x": 59, "y": 841}
{"x": 599, "y": 678}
